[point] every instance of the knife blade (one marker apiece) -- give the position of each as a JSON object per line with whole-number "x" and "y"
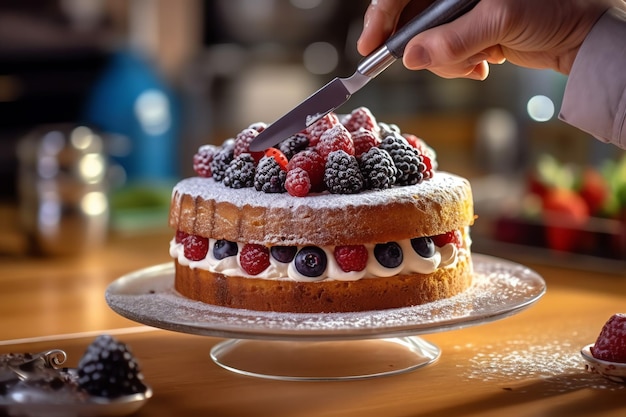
{"x": 339, "y": 90}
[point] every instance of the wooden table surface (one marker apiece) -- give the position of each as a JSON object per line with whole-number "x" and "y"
{"x": 525, "y": 365}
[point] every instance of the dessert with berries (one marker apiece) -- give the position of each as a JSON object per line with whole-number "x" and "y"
{"x": 348, "y": 215}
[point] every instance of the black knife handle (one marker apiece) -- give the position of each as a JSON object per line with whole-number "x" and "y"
{"x": 438, "y": 13}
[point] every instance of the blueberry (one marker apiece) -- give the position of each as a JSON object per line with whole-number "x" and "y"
{"x": 388, "y": 254}
{"x": 424, "y": 246}
{"x": 311, "y": 261}
{"x": 224, "y": 248}
{"x": 284, "y": 254}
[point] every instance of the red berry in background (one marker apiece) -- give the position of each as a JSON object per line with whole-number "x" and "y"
{"x": 254, "y": 258}
{"x": 351, "y": 257}
{"x": 202, "y": 160}
{"x": 594, "y": 189}
{"x": 297, "y": 182}
{"x": 278, "y": 156}
{"x": 453, "y": 237}
{"x": 180, "y": 236}
{"x": 315, "y": 131}
{"x": 361, "y": 117}
{"x": 611, "y": 343}
{"x": 242, "y": 144}
{"x": 314, "y": 165}
{"x": 195, "y": 247}
{"x": 337, "y": 138}
{"x": 364, "y": 140}
{"x": 565, "y": 214}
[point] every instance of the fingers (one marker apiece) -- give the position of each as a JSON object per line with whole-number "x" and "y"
{"x": 379, "y": 23}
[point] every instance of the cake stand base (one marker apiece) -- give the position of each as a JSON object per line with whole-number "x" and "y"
{"x": 326, "y": 360}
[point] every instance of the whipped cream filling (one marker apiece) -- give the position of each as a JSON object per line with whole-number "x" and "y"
{"x": 444, "y": 257}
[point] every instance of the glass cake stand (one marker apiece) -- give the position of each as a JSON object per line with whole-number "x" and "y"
{"x": 326, "y": 346}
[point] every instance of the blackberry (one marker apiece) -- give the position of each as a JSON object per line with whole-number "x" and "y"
{"x": 294, "y": 144}
{"x": 221, "y": 160}
{"x": 269, "y": 176}
{"x": 407, "y": 159}
{"x": 378, "y": 170}
{"x": 342, "y": 174}
{"x": 240, "y": 172}
{"x": 108, "y": 369}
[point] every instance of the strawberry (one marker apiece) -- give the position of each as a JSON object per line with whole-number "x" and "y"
{"x": 564, "y": 213}
{"x": 337, "y": 138}
{"x": 254, "y": 258}
{"x": 611, "y": 343}
{"x": 351, "y": 257}
{"x": 278, "y": 156}
{"x": 195, "y": 247}
{"x": 297, "y": 182}
{"x": 453, "y": 237}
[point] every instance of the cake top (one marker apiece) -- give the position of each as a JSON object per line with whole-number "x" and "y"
{"x": 351, "y": 154}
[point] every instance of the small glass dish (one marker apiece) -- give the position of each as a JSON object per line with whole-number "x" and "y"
{"x": 613, "y": 371}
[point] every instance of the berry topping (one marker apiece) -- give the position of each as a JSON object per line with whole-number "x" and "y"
{"x": 611, "y": 343}
{"x": 279, "y": 156}
{"x": 364, "y": 140}
{"x": 361, "y": 117}
{"x": 195, "y": 247}
{"x": 284, "y": 254}
{"x": 406, "y": 159}
{"x": 202, "y": 160}
{"x": 224, "y": 248}
{"x": 388, "y": 254}
{"x": 312, "y": 163}
{"x": 221, "y": 160}
{"x": 311, "y": 261}
{"x": 297, "y": 182}
{"x": 269, "y": 176}
{"x": 108, "y": 369}
{"x": 258, "y": 126}
{"x": 294, "y": 144}
{"x": 342, "y": 174}
{"x": 242, "y": 143}
{"x": 180, "y": 236}
{"x": 351, "y": 257}
{"x": 453, "y": 237}
{"x": 423, "y": 246}
{"x": 337, "y": 138}
{"x": 378, "y": 170}
{"x": 387, "y": 129}
{"x": 254, "y": 258}
{"x": 240, "y": 172}
{"x": 315, "y": 131}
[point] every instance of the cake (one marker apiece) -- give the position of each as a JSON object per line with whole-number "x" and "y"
{"x": 347, "y": 215}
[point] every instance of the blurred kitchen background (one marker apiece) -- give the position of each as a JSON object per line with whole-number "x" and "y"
{"x": 104, "y": 102}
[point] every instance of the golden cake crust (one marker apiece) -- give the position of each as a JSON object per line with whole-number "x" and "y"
{"x": 325, "y": 296}
{"x": 203, "y": 207}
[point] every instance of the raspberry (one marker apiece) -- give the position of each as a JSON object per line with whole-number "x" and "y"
{"x": 294, "y": 144}
{"x": 351, "y": 257}
{"x": 240, "y": 172}
{"x": 315, "y": 131}
{"x": 242, "y": 143}
{"x": 422, "y": 147}
{"x": 361, "y": 117}
{"x": 406, "y": 159}
{"x": 278, "y": 156}
{"x": 258, "y": 126}
{"x": 334, "y": 139}
{"x": 378, "y": 169}
{"x": 221, "y": 160}
{"x": 269, "y": 176}
{"x": 342, "y": 174}
{"x": 297, "y": 182}
{"x": 313, "y": 164}
{"x": 428, "y": 172}
{"x": 195, "y": 247}
{"x": 254, "y": 258}
{"x": 611, "y": 343}
{"x": 108, "y": 369}
{"x": 202, "y": 160}
{"x": 180, "y": 236}
{"x": 364, "y": 140}
{"x": 453, "y": 237}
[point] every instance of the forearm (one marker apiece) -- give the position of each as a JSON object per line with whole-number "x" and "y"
{"x": 595, "y": 94}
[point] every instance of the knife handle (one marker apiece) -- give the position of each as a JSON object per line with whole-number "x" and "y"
{"x": 438, "y": 13}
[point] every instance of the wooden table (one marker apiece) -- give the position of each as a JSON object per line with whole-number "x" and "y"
{"x": 525, "y": 365}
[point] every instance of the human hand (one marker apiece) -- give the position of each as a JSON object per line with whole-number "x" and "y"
{"x": 531, "y": 33}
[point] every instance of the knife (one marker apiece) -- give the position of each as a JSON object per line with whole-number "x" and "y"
{"x": 339, "y": 90}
